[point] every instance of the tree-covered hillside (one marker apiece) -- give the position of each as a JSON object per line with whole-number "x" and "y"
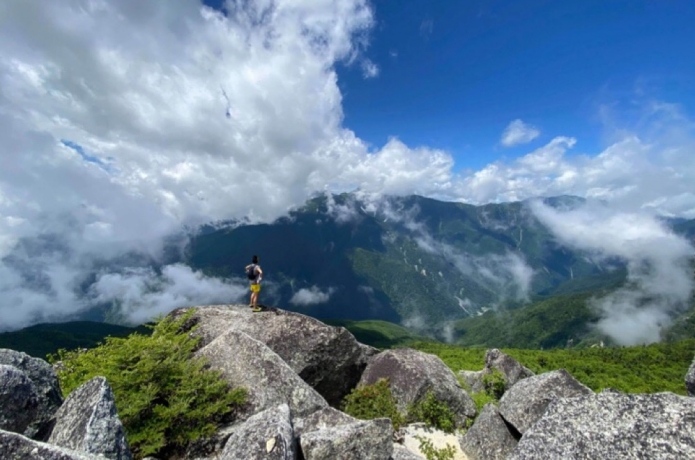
{"x": 408, "y": 260}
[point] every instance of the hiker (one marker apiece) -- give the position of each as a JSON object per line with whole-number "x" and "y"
{"x": 255, "y": 275}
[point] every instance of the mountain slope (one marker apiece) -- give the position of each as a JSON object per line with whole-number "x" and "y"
{"x": 413, "y": 260}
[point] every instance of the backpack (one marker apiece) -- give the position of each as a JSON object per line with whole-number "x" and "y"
{"x": 251, "y": 271}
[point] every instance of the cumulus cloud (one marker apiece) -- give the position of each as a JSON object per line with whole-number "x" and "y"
{"x": 659, "y": 284}
{"x": 369, "y": 69}
{"x": 122, "y": 122}
{"x": 311, "y": 296}
{"x": 518, "y": 132}
{"x": 142, "y": 293}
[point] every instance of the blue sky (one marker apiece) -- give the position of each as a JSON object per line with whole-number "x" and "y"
{"x": 452, "y": 75}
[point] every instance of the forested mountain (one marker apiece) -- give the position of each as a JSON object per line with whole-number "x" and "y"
{"x": 411, "y": 260}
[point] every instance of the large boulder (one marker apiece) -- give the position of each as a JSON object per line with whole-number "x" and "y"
{"x": 17, "y": 447}
{"x": 362, "y": 440}
{"x": 267, "y": 435}
{"x": 88, "y": 422}
{"x": 524, "y": 403}
{"x": 613, "y": 426}
{"x": 495, "y": 360}
{"x": 412, "y": 374}
{"x": 270, "y": 382}
{"x": 47, "y": 387}
{"x": 511, "y": 369}
{"x": 321, "y": 419}
{"x": 19, "y": 400}
{"x": 328, "y": 358}
{"x": 489, "y": 438}
{"x": 690, "y": 380}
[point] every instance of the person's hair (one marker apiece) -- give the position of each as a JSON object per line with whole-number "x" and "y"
{"x": 254, "y": 260}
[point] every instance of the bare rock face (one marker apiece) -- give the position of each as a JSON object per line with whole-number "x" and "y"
{"x": 510, "y": 368}
{"x": 400, "y": 452}
{"x": 474, "y": 380}
{"x": 613, "y": 426}
{"x": 267, "y": 435}
{"x": 362, "y": 440}
{"x": 322, "y": 419}
{"x": 45, "y": 380}
{"x": 19, "y": 400}
{"x": 412, "y": 374}
{"x": 248, "y": 363}
{"x": 525, "y": 403}
{"x": 328, "y": 358}
{"x": 690, "y": 380}
{"x": 17, "y": 447}
{"x": 489, "y": 438}
{"x": 88, "y": 422}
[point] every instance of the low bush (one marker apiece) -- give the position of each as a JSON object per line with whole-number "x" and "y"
{"x": 165, "y": 397}
{"x": 433, "y": 412}
{"x": 368, "y": 402}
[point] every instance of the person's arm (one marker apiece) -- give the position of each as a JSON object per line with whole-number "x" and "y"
{"x": 260, "y": 273}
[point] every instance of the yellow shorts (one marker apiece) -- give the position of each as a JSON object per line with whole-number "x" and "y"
{"x": 255, "y": 288}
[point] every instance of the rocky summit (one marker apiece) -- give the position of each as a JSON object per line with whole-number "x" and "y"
{"x": 296, "y": 370}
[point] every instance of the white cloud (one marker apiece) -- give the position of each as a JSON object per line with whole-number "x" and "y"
{"x": 179, "y": 111}
{"x": 311, "y": 296}
{"x": 369, "y": 69}
{"x": 143, "y": 294}
{"x": 518, "y": 132}
{"x": 660, "y": 282}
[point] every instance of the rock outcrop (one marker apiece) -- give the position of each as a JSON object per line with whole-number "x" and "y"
{"x": 495, "y": 360}
{"x": 526, "y": 402}
{"x": 45, "y": 381}
{"x": 362, "y": 440}
{"x": 267, "y": 435}
{"x": 412, "y": 374}
{"x": 246, "y": 362}
{"x": 19, "y": 400}
{"x": 489, "y": 438}
{"x": 322, "y": 419}
{"x": 88, "y": 422}
{"x": 328, "y": 358}
{"x": 612, "y": 426}
{"x": 690, "y": 380}
{"x": 18, "y": 447}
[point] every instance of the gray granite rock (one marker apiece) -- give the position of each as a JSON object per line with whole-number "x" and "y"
{"x": 473, "y": 380}
{"x": 323, "y": 418}
{"x": 267, "y": 435}
{"x": 246, "y": 362}
{"x": 362, "y": 440}
{"x": 402, "y": 453}
{"x": 19, "y": 400}
{"x": 48, "y": 390}
{"x": 412, "y": 374}
{"x": 613, "y": 426}
{"x": 88, "y": 422}
{"x": 328, "y": 358}
{"x": 510, "y": 368}
{"x": 14, "y": 446}
{"x": 690, "y": 380}
{"x": 489, "y": 438}
{"x": 524, "y": 403}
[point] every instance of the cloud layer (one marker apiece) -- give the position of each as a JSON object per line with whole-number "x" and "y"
{"x": 122, "y": 122}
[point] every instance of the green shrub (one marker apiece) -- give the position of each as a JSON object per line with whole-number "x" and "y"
{"x": 368, "y": 402}
{"x": 481, "y": 398}
{"x": 433, "y": 412}
{"x": 494, "y": 384}
{"x": 165, "y": 397}
{"x": 432, "y": 453}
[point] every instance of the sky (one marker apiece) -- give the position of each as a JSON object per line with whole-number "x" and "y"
{"x": 122, "y": 122}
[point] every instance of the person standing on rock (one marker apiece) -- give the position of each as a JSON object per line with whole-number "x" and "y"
{"x": 255, "y": 275}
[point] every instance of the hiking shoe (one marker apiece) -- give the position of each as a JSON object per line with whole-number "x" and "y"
{"x": 256, "y": 309}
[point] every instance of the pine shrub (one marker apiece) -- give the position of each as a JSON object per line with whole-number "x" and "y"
{"x": 165, "y": 397}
